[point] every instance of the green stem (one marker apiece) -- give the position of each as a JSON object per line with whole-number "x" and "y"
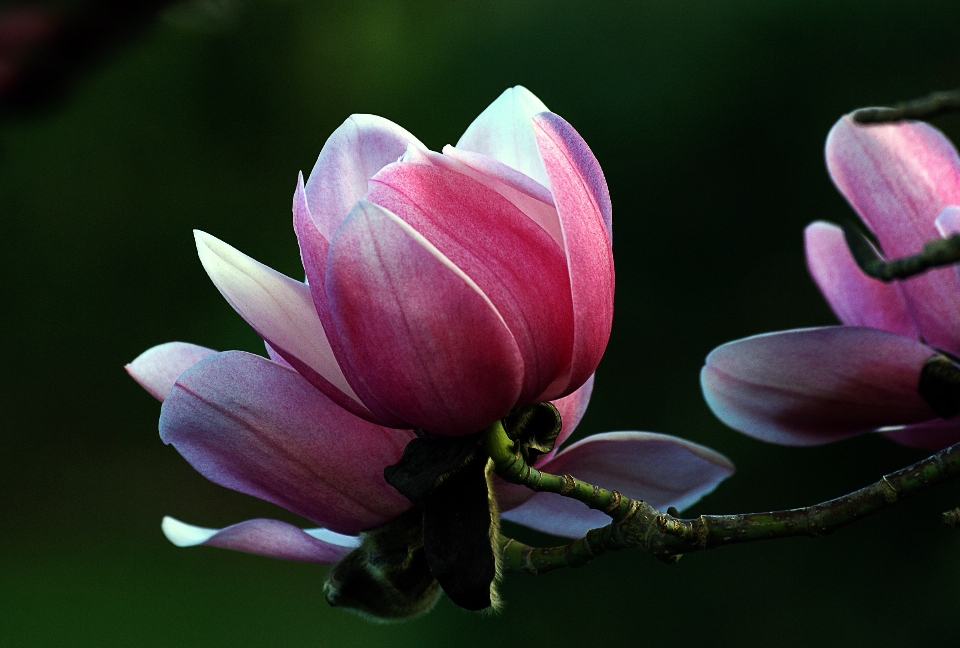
{"x": 933, "y": 105}
{"x": 667, "y": 537}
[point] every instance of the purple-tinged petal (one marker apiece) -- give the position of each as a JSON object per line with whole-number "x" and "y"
{"x": 276, "y": 357}
{"x": 932, "y": 435}
{"x": 503, "y": 132}
{"x": 282, "y": 312}
{"x": 421, "y": 335}
{"x": 528, "y": 195}
{"x": 158, "y": 368}
{"x": 899, "y": 177}
{"x": 948, "y": 224}
{"x": 271, "y": 538}
{"x": 572, "y": 408}
{"x": 659, "y": 469}
{"x": 259, "y": 428}
{"x": 578, "y": 190}
{"x": 353, "y": 154}
{"x": 513, "y": 261}
{"x": 813, "y": 386}
{"x": 857, "y": 300}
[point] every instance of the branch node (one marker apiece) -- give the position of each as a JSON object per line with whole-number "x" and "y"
{"x": 952, "y": 517}
{"x": 889, "y": 490}
{"x": 568, "y": 485}
{"x": 614, "y": 503}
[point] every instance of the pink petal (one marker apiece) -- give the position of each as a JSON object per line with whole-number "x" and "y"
{"x": 281, "y": 311}
{"x": 899, "y": 177}
{"x": 503, "y": 132}
{"x": 932, "y": 435}
{"x": 513, "y": 261}
{"x": 579, "y": 191}
{"x": 421, "y": 335}
{"x": 353, "y": 154}
{"x": 259, "y": 428}
{"x": 659, "y": 469}
{"x": 156, "y": 369}
{"x": 529, "y": 196}
{"x": 572, "y": 408}
{"x": 271, "y": 538}
{"x": 948, "y": 224}
{"x": 813, "y": 386}
{"x": 857, "y": 300}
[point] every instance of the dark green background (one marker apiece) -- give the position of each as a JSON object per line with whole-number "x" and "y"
{"x": 709, "y": 120}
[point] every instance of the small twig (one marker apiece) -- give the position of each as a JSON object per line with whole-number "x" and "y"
{"x": 933, "y": 105}
{"x": 935, "y": 254}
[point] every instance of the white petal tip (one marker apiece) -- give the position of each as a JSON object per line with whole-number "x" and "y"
{"x": 185, "y": 535}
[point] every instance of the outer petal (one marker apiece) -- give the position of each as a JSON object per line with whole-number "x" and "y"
{"x": 263, "y": 537}
{"x": 156, "y": 369}
{"x": 281, "y": 311}
{"x": 857, "y": 300}
{"x": 579, "y": 192}
{"x": 513, "y": 261}
{"x": 660, "y": 469}
{"x": 813, "y": 386}
{"x": 898, "y": 178}
{"x": 503, "y": 132}
{"x": 572, "y": 408}
{"x": 421, "y": 335}
{"x": 353, "y": 154}
{"x": 259, "y": 428}
{"x": 932, "y": 435}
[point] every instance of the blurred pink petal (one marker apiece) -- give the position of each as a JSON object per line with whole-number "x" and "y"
{"x": 659, "y": 469}
{"x": 271, "y": 538}
{"x": 899, "y": 177}
{"x": 503, "y": 132}
{"x": 158, "y": 368}
{"x": 512, "y": 260}
{"x": 857, "y": 300}
{"x": 259, "y": 428}
{"x": 579, "y": 190}
{"x": 394, "y": 298}
{"x": 812, "y": 386}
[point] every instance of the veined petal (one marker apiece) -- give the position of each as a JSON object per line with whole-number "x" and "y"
{"x": 932, "y": 435}
{"x": 158, "y": 368}
{"x": 353, "y": 154}
{"x": 813, "y": 386}
{"x": 899, "y": 177}
{"x": 580, "y": 194}
{"x": 281, "y": 311}
{"x": 503, "y": 132}
{"x": 857, "y": 300}
{"x": 421, "y": 335}
{"x": 659, "y": 469}
{"x": 271, "y": 538}
{"x": 528, "y": 195}
{"x": 513, "y": 261}
{"x": 259, "y": 428}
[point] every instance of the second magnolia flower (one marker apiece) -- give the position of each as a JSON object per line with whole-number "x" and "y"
{"x": 443, "y": 289}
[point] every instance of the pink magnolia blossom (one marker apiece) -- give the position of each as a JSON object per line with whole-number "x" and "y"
{"x": 444, "y": 290}
{"x": 812, "y": 386}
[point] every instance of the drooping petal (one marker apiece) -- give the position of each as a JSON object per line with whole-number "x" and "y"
{"x": 659, "y": 469}
{"x": 271, "y": 538}
{"x": 932, "y": 435}
{"x": 857, "y": 300}
{"x": 353, "y": 154}
{"x": 513, "y": 261}
{"x": 899, "y": 177}
{"x": 156, "y": 369}
{"x": 281, "y": 311}
{"x": 813, "y": 386}
{"x": 948, "y": 224}
{"x": 579, "y": 192}
{"x": 259, "y": 428}
{"x": 529, "y": 196}
{"x": 421, "y": 335}
{"x": 503, "y": 132}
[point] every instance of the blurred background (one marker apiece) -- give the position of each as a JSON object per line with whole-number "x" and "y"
{"x": 709, "y": 120}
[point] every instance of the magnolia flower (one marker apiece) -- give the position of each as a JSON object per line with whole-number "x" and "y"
{"x": 444, "y": 291}
{"x": 812, "y": 386}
